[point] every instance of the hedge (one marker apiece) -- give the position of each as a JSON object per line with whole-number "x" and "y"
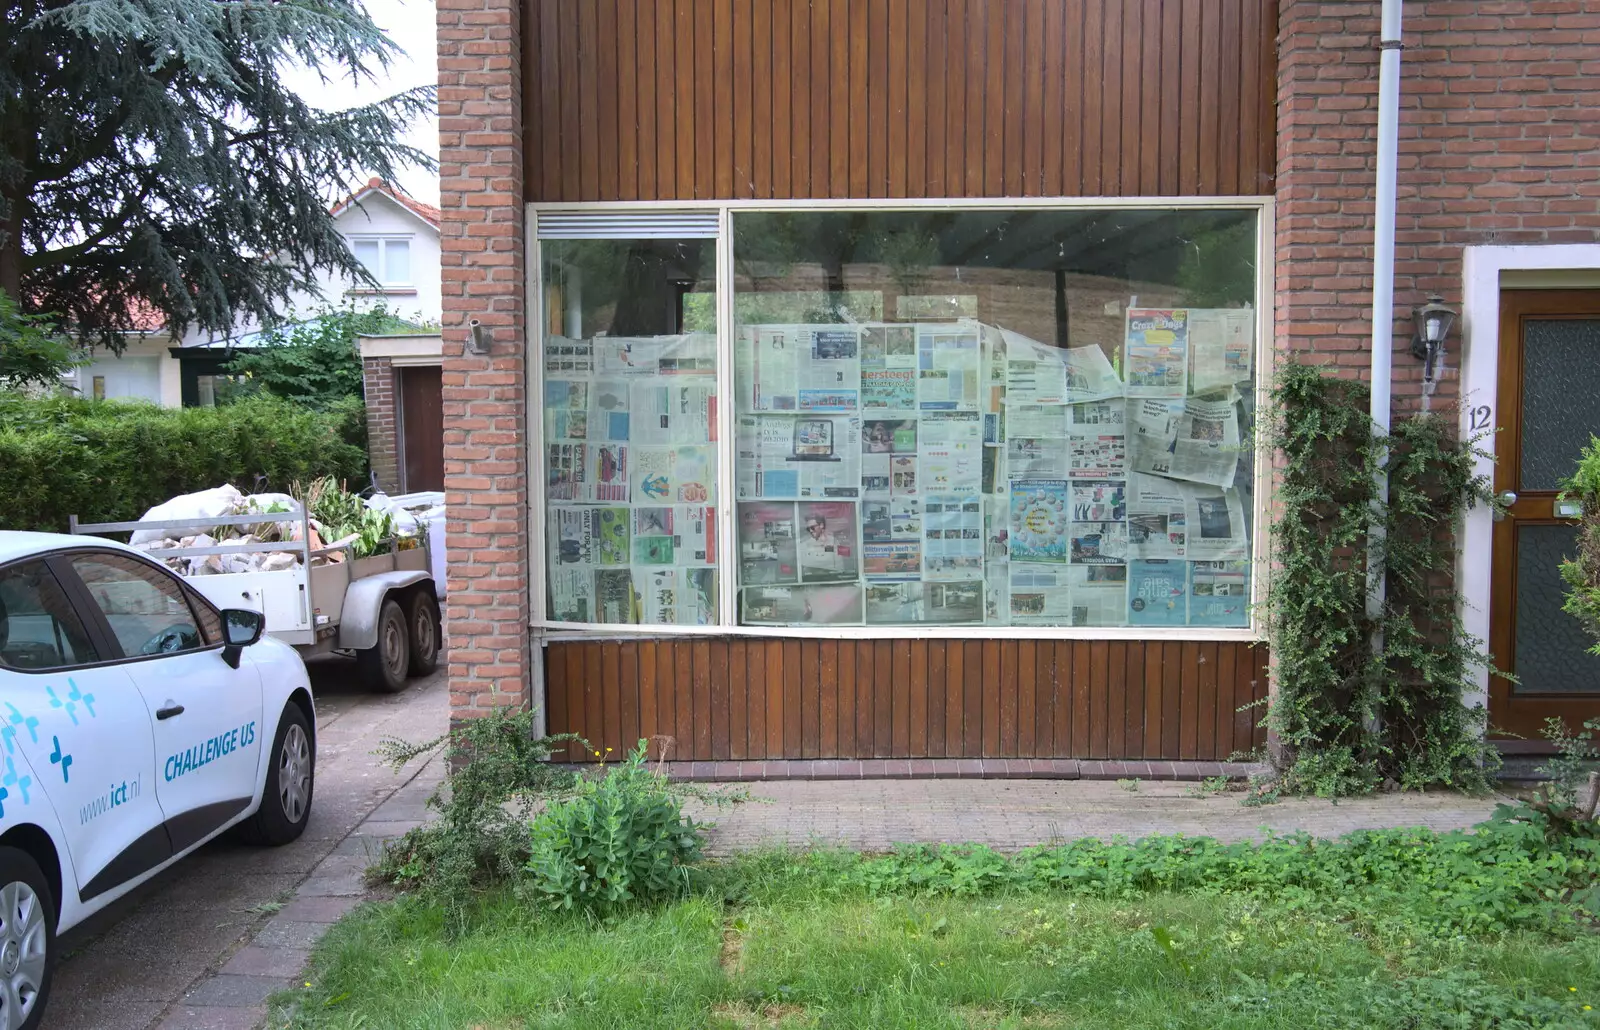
{"x": 110, "y": 461}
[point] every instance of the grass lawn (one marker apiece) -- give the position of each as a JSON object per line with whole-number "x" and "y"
{"x": 833, "y": 941}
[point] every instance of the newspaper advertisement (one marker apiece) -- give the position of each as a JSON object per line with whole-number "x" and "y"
{"x": 1217, "y": 527}
{"x": 774, "y": 374}
{"x": 950, "y": 447}
{"x": 680, "y": 597}
{"x": 891, "y": 518}
{"x": 827, "y": 543}
{"x": 996, "y": 529}
{"x": 953, "y": 602}
{"x": 830, "y": 371}
{"x": 566, "y": 406}
{"x": 1035, "y": 374}
{"x": 1156, "y": 592}
{"x": 1038, "y": 420}
{"x": 1040, "y": 595}
{"x": 1099, "y": 414}
{"x": 947, "y": 368}
{"x": 1096, "y": 451}
{"x": 675, "y": 536}
{"x": 890, "y": 346}
{"x": 1221, "y": 343}
{"x": 1195, "y": 440}
{"x": 952, "y": 537}
{"x": 901, "y": 559}
{"x": 813, "y": 605}
{"x": 767, "y": 544}
{"x": 1039, "y": 520}
{"x": 616, "y": 600}
{"x": 1090, "y": 375}
{"x": 687, "y": 354}
{"x": 1219, "y": 593}
{"x": 889, "y": 436}
{"x": 674, "y": 475}
{"x": 672, "y": 412}
{"x": 1098, "y": 543}
{"x": 894, "y": 603}
{"x": 586, "y": 472}
{"x": 610, "y": 417}
{"x": 565, "y": 357}
{"x": 1028, "y": 458}
{"x": 1157, "y": 352}
{"x": 571, "y": 593}
{"x": 888, "y": 389}
{"x": 1157, "y": 517}
{"x": 1099, "y": 594}
{"x": 804, "y": 457}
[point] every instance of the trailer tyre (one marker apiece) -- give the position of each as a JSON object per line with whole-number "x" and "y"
{"x": 424, "y": 633}
{"x": 385, "y": 665}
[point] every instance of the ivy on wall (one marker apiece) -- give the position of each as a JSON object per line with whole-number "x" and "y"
{"x": 1349, "y": 716}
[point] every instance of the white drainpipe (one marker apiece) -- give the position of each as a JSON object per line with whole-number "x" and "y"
{"x": 1383, "y": 277}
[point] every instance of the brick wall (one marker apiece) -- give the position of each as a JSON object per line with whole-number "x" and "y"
{"x": 378, "y": 384}
{"x": 1499, "y": 143}
{"x": 482, "y": 244}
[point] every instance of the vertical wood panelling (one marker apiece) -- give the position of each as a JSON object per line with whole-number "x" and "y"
{"x": 900, "y": 738}
{"x": 847, "y": 698}
{"x": 738, "y": 700}
{"x": 791, "y": 699}
{"x": 883, "y": 696}
{"x": 828, "y": 702}
{"x": 917, "y": 743}
{"x": 714, "y": 719}
{"x": 955, "y": 674}
{"x": 755, "y": 662}
{"x": 810, "y": 698}
{"x": 671, "y": 99}
{"x": 1027, "y": 698}
{"x": 610, "y": 687}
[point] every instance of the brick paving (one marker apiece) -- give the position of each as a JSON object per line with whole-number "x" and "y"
{"x": 874, "y": 815}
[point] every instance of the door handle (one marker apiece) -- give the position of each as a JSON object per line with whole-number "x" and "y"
{"x": 169, "y": 711}
{"x": 1506, "y": 499}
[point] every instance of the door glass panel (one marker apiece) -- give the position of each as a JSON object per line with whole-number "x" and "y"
{"x": 1551, "y": 647}
{"x": 145, "y": 607}
{"x": 630, "y": 429}
{"x": 1560, "y": 397}
{"x": 39, "y": 628}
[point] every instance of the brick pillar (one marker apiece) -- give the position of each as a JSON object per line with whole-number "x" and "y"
{"x": 485, "y": 407}
{"x": 377, "y": 375}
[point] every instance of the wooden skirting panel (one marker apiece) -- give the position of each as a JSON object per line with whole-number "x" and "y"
{"x": 724, "y": 699}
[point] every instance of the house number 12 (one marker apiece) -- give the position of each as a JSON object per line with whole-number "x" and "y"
{"x": 1481, "y": 418}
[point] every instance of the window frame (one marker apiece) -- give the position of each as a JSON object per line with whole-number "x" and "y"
{"x": 383, "y": 240}
{"x": 100, "y": 626}
{"x": 727, "y": 546}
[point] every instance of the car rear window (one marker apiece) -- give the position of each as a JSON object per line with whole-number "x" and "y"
{"x": 39, "y": 628}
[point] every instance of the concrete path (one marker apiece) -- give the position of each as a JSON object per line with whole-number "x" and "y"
{"x": 149, "y": 960}
{"x": 874, "y": 815}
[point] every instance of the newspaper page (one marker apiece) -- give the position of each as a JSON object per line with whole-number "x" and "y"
{"x": 1099, "y": 594}
{"x": 1095, "y": 451}
{"x": 1221, "y": 345}
{"x": 680, "y": 597}
{"x": 894, "y": 603}
{"x": 571, "y": 593}
{"x": 950, "y": 448}
{"x": 812, "y": 605}
{"x": 1157, "y": 352}
{"x": 1090, "y": 376}
{"x": 1040, "y": 595}
{"x": 1195, "y": 440}
{"x": 1028, "y": 458}
{"x": 891, "y": 518}
{"x": 1098, "y": 543}
{"x": 947, "y": 368}
{"x": 565, "y": 357}
{"x": 798, "y": 457}
{"x": 774, "y": 370}
{"x": 610, "y": 417}
{"x": 889, "y": 346}
{"x": 1038, "y": 420}
{"x": 586, "y": 472}
{"x": 895, "y": 560}
{"x": 767, "y": 543}
{"x": 888, "y": 389}
{"x": 672, "y": 411}
{"x": 1039, "y": 520}
{"x": 952, "y": 537}
{"x": 675, "y": 536}
{"x": 1219, "y": 593}
{"x": 1157, "y": 592}
{"x": 1217, "y": 526}
{"x": 616, "y": 600}
{"x": 668, "y": 475}
{"x": 1098, "y": 500}
{"x": 1157, "y": 517}
{"x": 628, "y": 356}
{"x": 997, "y": 594}
{"x": 827, "y": 546}
{"x": 830, "y": 371}
{"x": 1035, "y": 374}
{"x": 566, "y": 408}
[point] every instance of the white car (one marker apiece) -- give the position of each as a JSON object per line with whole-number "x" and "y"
{"x": 137, "y": 722}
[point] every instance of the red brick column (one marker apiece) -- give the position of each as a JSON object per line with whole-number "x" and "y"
{"x": 377, "y": 387}
{"x": 1499, "y": 143}
{"x": 485, "y": 407}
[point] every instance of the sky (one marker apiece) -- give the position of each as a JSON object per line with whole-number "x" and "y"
{"x": 410, "y": 23}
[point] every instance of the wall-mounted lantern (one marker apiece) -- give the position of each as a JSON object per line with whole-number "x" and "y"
{"x": 1430, "y": 327}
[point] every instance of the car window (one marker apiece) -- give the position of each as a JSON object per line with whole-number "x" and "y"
{"x": 210, "y": 622}
{"x": 39, "y": 628}
{"x": 147, "y": 609}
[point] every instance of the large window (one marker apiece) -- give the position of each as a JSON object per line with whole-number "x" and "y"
{"x": 939, "y": 418}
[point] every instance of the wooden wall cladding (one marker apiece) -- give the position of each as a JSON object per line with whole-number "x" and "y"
{"x": 760, "y": 698}
{"x": 683, "y": 99}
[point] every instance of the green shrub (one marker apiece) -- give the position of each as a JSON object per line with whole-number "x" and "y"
{"x": 110, "y": 461}
{"x": 623, "y": 837}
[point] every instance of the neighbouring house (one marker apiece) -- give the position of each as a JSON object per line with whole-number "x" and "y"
{"x": 393, "y": 235}
{"x": 849, "y": 381}
{"x": 401, "y": 376}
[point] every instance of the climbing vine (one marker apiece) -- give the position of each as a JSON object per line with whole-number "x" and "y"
{"x": 1349, "y": 716}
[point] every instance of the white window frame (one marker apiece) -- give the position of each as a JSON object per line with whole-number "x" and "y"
{"x": 383, "y": 240}
{"x": 727, "y": 552}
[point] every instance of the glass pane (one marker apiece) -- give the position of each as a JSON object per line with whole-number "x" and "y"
{"x": 1560, "y": 397}
{"x": 1027, "y": 418}
{"x": 366, "y": 252}
{"x": 39, "y": 628}
{"x": 146, "y": 608}
{"x": 630, "y": 366}
{"x": 396, "y": 261}
{"x": 1551, "y": 647}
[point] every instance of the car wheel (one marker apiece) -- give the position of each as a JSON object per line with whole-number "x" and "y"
{"x": 291, "y": 778}
{"x": 27, "y": 940}
{"x": 385, "y": 665}
{"x": 424, "y": 633}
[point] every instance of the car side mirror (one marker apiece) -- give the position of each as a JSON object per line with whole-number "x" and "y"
{"x": 240, "y": 628}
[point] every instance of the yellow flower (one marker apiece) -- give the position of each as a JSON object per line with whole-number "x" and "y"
{"x": 608, "y": 749}
{"x": 1587, "y": 1008}
{"x": 1571, "y": 988}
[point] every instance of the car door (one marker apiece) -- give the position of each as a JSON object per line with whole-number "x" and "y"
{"x": 82, "y": 726}
{"x": 205, "y": 714}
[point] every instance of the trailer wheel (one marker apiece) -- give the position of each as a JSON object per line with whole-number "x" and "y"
{"x": 384, "y": 667}
{"x": 424, "y": 633}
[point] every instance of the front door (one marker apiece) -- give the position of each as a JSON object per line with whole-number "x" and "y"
{"x": 422, "y": 428}
{"x": 1549, "y": 404}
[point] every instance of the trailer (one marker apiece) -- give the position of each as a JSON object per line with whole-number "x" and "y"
{"x": 384, "y": 609}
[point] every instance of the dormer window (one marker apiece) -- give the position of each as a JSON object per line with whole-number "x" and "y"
{"x": 388, "y": 258}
